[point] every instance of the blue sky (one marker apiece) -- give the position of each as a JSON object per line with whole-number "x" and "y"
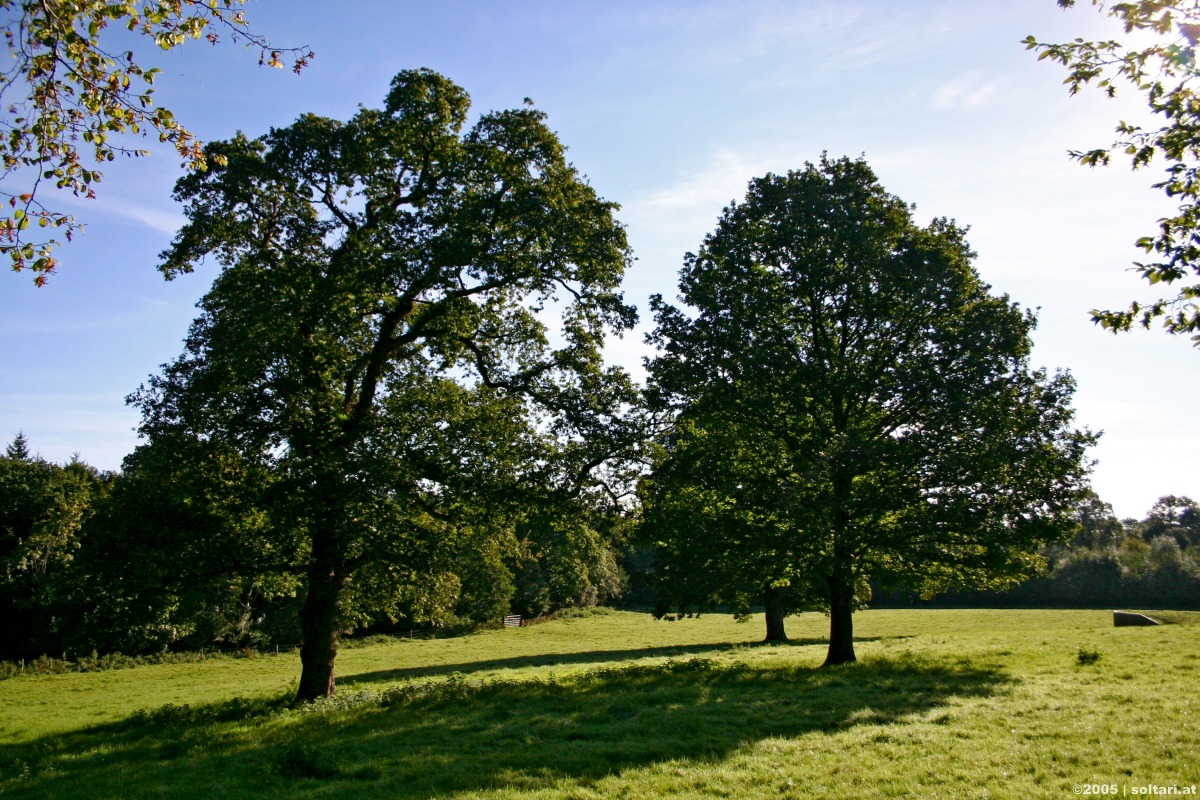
{"x": 669, "y": 108}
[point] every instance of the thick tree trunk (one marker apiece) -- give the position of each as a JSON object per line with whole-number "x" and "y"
{"x": 319, "y": 623}
{"x": 773, "y": 600}
{"x": 841, "y": 619}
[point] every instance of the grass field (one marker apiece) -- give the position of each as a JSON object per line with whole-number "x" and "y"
{"x": 943, "y": 703}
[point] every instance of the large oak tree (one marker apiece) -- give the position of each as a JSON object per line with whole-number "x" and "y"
{"x": 378, "y": 339}
{"x": 854, "y": 404}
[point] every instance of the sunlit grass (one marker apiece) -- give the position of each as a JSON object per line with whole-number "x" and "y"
{"x": 942, "y": 703}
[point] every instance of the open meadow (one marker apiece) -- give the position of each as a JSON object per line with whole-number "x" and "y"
{"x": 943, "y": 703}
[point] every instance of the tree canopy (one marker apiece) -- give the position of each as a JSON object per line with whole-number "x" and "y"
{"x": 182, "y": 553}
{"x": 1165, "y": 72}
{"x": 379, "y": 339}
{"x": 65, "y": 84}
{"x": 1177, "y": 517}
{"x": 718, "y": 526}
{"x": 853, "y": 404}
{"x": 43, "y": 508}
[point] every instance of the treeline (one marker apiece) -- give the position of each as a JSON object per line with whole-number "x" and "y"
{"x": 163, "y": 556}
{"x": 176, "y": 552}
{"x": 169, "y": 556}
{"x": 1108, "y": 563}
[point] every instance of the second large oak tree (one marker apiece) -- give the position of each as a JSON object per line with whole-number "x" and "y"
{"x": 854, "y": 403}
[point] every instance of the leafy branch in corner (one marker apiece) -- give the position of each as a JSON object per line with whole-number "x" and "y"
{"x": 1165, "y": 72}
{"x": 68, "y": 98}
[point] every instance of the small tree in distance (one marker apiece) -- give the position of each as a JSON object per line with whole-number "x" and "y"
{"x": 18, "y": 449}
{"x": 872, "y": 405}
{"x": 718, "y": 527}
{"x": 43, "y": 510}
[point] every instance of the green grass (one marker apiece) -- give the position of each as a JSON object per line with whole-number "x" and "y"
{"x": 1175, "y": 617}
{"x": 942, "y": 704}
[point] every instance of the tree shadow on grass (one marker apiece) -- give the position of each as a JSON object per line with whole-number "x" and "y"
{"x": 357, "y": 680}
{"x": 452, "y": 735}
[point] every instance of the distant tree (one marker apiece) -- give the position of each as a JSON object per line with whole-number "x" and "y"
{"x": 18, "y": 449}
{"x": 1097, "y": 526}
{"x": 722, "y": 533}
{"x": 891, "y": 426}
{"x": 377, "y": 341}
{"x": 1165, "y": 72}
{"x": 566, "y": 558}
{"x": 43, "y": 507}
{"x": 1134, "y": 557}
{"x": 64, "y": 84}
{"x": 1177, "y": 517}
{"x": 1150, "y": 563}
{"x": 1085, "y": 578}
{"x": 182, "y": 552}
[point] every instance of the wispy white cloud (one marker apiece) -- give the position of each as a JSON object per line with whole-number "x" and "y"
{"x": 164, "y": 219}
{"x": 669, "y": 221}
{"x": 967, "y": 92}
{"x": 159, "y": 219}
{"x": 777, "y": 45}
{"x": 705, "y": 191}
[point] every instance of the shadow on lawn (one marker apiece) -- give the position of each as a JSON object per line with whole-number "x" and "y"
{"x": 552, "y": 659}
{"x": 455, "y": 735}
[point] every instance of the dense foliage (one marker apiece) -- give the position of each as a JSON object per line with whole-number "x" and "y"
{"x": 43, "y": 510}
{"x": 163, "y": 559}
{"x": 175, "y": 553}
{"x": 379, "y": 343}
{"x": 1108, "y": 563}
{"x": 853, "y": 404}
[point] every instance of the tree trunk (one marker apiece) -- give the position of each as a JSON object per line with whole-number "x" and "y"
{"x": 841, "y": 619}
{"x": 773, "y": 600}
{"x": 319, "y": 623}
